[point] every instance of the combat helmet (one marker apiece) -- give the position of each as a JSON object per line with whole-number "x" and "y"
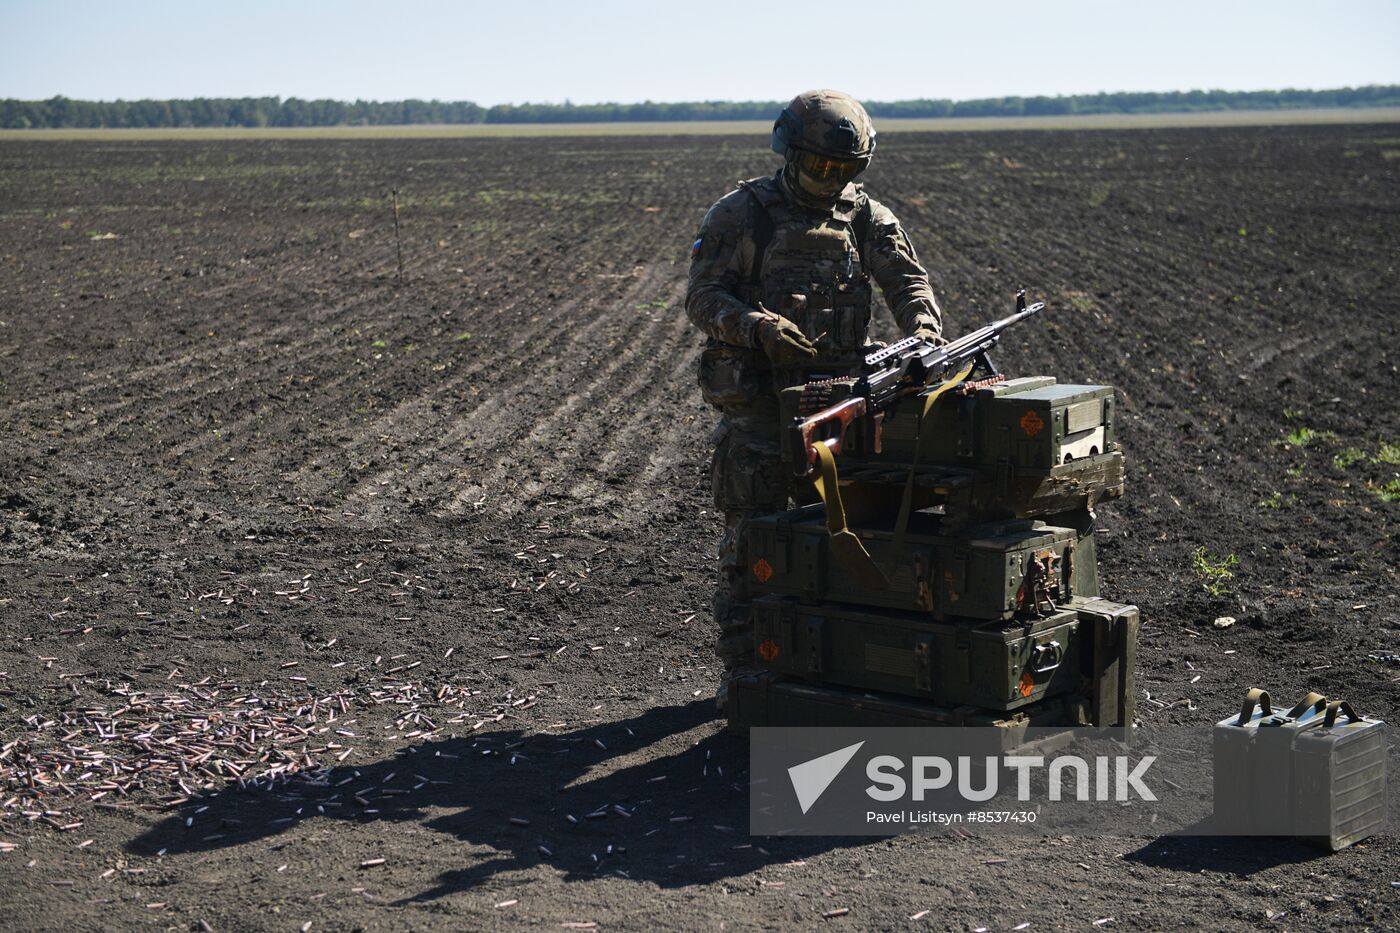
{"x": 827, "y": 139}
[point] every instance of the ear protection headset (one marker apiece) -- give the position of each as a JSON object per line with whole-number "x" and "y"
{"x": 787, "y": 131}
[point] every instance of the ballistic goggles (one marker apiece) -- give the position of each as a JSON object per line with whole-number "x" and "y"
{"x": 823, "y": 168}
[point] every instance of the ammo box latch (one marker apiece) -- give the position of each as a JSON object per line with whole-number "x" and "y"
{"x": 782, "y": 538}
{"x": 923, "y": 662}
{"x": 816, "y": 643}
{"x": 924, "y": 579}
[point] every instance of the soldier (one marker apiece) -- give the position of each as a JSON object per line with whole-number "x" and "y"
{"x": 780, "y": 283}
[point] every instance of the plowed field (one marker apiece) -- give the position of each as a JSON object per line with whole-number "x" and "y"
{"x": 441, "y": 546}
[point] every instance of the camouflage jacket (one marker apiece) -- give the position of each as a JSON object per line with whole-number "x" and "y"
{"x": 815, "y": 269}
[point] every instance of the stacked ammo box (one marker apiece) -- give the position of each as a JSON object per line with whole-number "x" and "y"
{"x": 992, "y": 613}
{"x": 1317, "y": 772}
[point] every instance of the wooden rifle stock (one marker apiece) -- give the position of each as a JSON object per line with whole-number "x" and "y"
{"x": 832, "y": 424}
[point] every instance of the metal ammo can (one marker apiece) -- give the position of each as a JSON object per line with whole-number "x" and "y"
{"x": 1232, "y": 745}
{"x": 1338, "y": 777}
{"x": 1272, "y": 815}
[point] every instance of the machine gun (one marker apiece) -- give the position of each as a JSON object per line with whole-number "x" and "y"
{"x": 901, "y": 369}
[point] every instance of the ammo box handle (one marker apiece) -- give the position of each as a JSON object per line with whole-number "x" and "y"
{"x": 1261, "y": 697}
{"x": 1046, "y": 657}
{"x": 1339, "y": 706}
{"x": 1312, "y": 703}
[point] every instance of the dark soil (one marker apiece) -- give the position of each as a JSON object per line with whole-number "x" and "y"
{"x": 231, "y": 439}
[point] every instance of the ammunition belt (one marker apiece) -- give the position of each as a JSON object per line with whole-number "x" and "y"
{"x": 817, "y": 395}
{"x": 967, "y": 388}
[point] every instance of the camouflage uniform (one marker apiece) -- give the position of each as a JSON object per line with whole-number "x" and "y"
{"x": 815, "y": 271}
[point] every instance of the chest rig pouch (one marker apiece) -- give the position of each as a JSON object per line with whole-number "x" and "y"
{"x": 734, "y": 377}
{"x": 808, "y": 269}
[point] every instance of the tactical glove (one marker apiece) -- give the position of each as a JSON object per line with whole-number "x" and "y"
{"x": 783, "y": 341}
{"x": 932, "y": 336}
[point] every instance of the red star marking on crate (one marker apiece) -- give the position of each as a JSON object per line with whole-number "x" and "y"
{"x": 763, "y": 570}
{"x": 768, "y": 650}
{"x": 1031, "y": 423}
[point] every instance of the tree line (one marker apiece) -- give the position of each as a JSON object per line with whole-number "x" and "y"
{"x": 63, "y": 112}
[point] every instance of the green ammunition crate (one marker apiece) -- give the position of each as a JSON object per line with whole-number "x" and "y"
{"x": 1113, "y": 633}
{"x": 978, "y": 574}
{"x": 990, "y": 665}
{"x": 1029, "y": 424}
{"x": 767, "y": 700}
{"x": 984, "y": 575}
{"x": 1041, "y": 428}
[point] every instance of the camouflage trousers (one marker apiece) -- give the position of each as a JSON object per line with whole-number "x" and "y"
{"x": 749, "y": 478}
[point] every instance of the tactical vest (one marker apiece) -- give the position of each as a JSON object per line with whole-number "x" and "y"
{"x": 807, "y": 268}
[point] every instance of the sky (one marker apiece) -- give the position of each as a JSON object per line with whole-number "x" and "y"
{"x": 512, "y": 51}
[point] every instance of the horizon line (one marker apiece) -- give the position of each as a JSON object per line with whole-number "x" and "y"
{"x": 567, "y": 102}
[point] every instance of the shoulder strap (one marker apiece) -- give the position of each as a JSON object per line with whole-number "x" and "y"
{"x": 861, "y": 222}
{"x": 761, "y": 227}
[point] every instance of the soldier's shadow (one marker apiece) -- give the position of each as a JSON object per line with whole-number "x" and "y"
{"x": 660, "y": 798}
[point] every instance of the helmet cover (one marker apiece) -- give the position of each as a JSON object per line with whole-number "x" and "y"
{"x": 827, "y": 123}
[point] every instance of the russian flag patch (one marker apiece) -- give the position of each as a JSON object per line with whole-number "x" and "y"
{"x": 695, "y": 247}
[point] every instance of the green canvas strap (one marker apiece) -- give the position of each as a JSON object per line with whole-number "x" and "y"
{"x": 1310, "y": 705}
{"x": 844, "y": 544}
{"x": 906, "y": 504}
{"x": 1255, "y": 697}
{"x": 1335, "y": 707}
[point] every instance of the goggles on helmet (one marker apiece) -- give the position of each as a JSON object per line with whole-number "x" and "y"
{"x": 824, "y": 168}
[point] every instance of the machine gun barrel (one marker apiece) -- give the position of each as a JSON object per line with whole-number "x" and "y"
{"x": 903, "y": 368}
